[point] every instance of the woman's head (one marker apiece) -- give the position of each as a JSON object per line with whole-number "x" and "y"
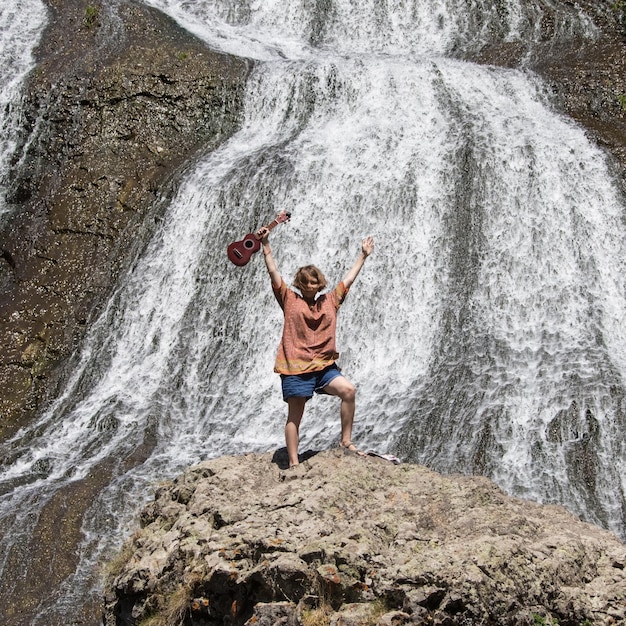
{"x": 309, "y": 278}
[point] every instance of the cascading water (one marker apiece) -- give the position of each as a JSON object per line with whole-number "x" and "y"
{"x": 485, "y": 334}
{"x": 21, "y": 23}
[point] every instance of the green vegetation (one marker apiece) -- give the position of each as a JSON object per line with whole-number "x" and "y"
{"x": 115, "y": 566}
{"x": 170, "y": 609}
{"x": 321, "y": 615}
{"x": 91, "y": 16}
{"x": 377, "y": 609}
{"x": 622, "y": 100}
{"x": 619, "y": 6}
{"x": 540, "y": 620}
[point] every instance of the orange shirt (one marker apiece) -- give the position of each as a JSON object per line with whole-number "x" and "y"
{"x": 308, "y": 341}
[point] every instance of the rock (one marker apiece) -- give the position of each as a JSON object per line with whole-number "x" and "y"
{"x": 586, "y": 77}
{"x": 356, "y": 540}
{"x": 273, "y": 614}
{"x": 120, "y": 100}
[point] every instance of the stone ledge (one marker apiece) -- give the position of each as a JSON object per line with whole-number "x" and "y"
{"x": 361, "y": 541}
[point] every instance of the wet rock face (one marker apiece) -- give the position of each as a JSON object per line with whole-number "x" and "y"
{"x": 120, "y": 100}
{"x": 587, "y": 77}
{"x": 345, "y": 539}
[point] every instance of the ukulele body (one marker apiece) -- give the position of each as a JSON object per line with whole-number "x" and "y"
{"x": 240, "y": 252}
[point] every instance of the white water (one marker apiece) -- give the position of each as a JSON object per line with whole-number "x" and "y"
{"x": 21, "y": 24}
{"x": 485, "y": 334}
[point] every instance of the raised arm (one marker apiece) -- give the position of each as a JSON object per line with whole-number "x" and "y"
{"x": 367, "y": 246}
{"x": 269, "y": 259}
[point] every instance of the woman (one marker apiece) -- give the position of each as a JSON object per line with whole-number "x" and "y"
{"x": 307, "y": 352}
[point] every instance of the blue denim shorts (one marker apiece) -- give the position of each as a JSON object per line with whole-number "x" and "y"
{"x": 303, "y": 385}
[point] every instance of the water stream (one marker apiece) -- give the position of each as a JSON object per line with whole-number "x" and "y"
{"x": 21, "y": 24}
{"x": 485, "y": 334}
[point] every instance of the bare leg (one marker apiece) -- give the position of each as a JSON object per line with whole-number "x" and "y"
{"x": 341, "y": 387}
{"x": 292, "y": 428}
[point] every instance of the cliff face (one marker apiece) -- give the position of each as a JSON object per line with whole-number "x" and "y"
{"x": 120, "y": 100}
{"x": 346, "y": 539}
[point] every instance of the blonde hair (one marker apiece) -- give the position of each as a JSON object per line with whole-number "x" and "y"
{"x": 309, "y": 272}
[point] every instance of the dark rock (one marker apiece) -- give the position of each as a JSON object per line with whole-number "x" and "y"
{"x": 587, "y": 77}
{"x": 120, "y": 100}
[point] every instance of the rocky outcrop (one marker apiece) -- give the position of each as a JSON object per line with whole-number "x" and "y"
{"x": 346, "y": 539}
{"x": 120, "y": 100}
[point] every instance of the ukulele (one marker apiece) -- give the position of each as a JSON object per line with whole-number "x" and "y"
{"x": 240, "y": 252}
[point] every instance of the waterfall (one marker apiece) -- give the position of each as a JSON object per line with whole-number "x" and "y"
{"x": 21, "y": 24}
{"x": 485, "y": 334}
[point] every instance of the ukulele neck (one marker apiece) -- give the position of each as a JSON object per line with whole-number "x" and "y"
{"x": 283, "y": 217}
{"x": 272, "y": 225}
